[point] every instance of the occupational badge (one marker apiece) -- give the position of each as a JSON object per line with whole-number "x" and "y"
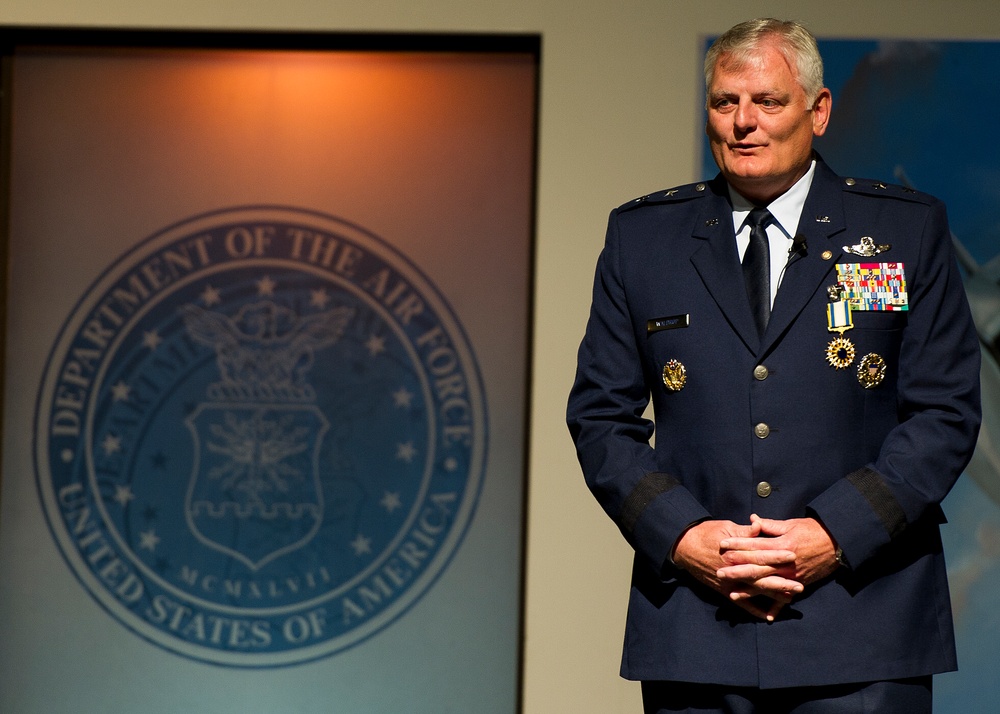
{"x": 871, "y": 370}
{"x": 867, "y": 247}
{"x": 840, "y": 350}
{"x": 674, "y": 376}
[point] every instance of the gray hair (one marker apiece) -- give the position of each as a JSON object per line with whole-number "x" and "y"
{"x": 795, "y": 43}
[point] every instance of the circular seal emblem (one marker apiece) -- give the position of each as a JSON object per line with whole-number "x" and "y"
{"x": 260, "y": 437}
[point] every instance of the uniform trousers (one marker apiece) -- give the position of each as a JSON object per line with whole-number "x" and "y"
{"x": 903, "y": 696}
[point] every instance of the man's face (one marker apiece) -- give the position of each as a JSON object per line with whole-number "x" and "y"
{"x": 760, "y": 124}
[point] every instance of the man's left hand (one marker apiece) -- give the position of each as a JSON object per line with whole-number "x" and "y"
{"x": 758, "y": 560}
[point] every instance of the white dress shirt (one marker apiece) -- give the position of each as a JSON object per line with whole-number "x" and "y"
{"x": 786, "y": 209}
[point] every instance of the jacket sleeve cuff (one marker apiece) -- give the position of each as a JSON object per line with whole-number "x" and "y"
{"x": 861, "y": 514}
{"x": 655, "y": 515}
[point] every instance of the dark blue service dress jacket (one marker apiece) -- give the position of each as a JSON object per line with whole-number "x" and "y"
{"x": 769, "y": 426}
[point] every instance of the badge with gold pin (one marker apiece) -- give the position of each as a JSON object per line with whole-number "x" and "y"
{"x": 871, "y": 371}
{"x": 840, "y": 350}
{"x": 674, "y": 376}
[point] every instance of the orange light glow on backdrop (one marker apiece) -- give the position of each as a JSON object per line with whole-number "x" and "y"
{"x": 265, "y": 432}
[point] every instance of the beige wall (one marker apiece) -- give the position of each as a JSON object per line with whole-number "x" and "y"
{"x": 619, "y": 103}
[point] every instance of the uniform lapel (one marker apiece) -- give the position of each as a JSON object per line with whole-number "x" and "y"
{"x": 717, "y": 263}
{"x": 822, "y": 219}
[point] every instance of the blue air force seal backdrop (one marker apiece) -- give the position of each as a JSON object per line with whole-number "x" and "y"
{"x": 260, "y": 437}
{"x": 265, "y": 391}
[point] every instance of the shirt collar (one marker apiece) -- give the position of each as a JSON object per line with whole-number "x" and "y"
{"x": 786, "y": 208}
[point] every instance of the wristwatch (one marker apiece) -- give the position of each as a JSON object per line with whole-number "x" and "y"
{"x": 839, "y": 555}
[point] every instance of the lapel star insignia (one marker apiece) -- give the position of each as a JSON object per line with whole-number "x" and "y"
{"x": 867, "y": 247}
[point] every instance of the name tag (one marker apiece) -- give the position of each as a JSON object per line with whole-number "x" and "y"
{"x": 673, "y": 322}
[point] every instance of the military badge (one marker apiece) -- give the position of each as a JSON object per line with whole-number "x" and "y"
{"x": 674, "y": 376}
{"x": 874, "y": 286}
{"x": 871, "y": 371}
{"x": 867, "y": 247}
{"x": 840, "y": 350}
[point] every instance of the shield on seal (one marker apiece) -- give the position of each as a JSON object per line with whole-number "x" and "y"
{"x": 255, "y": 491}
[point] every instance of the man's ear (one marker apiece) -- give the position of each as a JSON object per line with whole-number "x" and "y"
{"x": 821, "y": 111}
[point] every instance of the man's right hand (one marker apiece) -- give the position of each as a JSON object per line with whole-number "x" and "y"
{"x": 698, "y": 552}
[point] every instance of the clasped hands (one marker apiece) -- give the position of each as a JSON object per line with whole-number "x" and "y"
{"x": 773, "y": 558}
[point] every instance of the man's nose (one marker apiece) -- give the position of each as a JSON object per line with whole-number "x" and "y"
{"x": 746, "y": 116}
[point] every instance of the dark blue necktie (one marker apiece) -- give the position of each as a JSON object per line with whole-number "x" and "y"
{"x": 757, "y": 268}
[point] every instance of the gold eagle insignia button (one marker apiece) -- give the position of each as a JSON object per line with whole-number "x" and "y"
{"x": 674, "y": 376}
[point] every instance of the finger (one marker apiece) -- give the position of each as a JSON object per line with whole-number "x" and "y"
{"x": 756, "y": 610}
{"x": 758, "y": 543}
{"x": 744, "y": 531}
{"x": 739, "y": 543}
{"x": 749, "y": 572}
{"x": 745, "y": 593}
{"x": 783, "y": 596}
{"x": 758, "y": 557}
{"x": 771, "y": 585}
{"x": 773, "y": 612}
{"x": 771, "y": 527}
{"x": 774, "y": 585}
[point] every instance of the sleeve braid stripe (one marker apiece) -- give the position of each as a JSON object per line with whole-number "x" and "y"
{"x": 880, "y": 498}
{"x": 649, "y": 487}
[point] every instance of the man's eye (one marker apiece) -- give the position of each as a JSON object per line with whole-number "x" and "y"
{"x": 723, "y": 103}
{"x": 769, "y": 103}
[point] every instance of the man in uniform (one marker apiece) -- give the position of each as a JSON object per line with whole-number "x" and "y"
{"x": 813, "y": 366}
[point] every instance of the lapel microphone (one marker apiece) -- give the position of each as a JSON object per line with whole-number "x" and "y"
{"x": 796, "y": 250}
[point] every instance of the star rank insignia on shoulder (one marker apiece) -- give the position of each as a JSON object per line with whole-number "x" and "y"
{"x": 874, "y": 187}
{"x": 670, "y": 195}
